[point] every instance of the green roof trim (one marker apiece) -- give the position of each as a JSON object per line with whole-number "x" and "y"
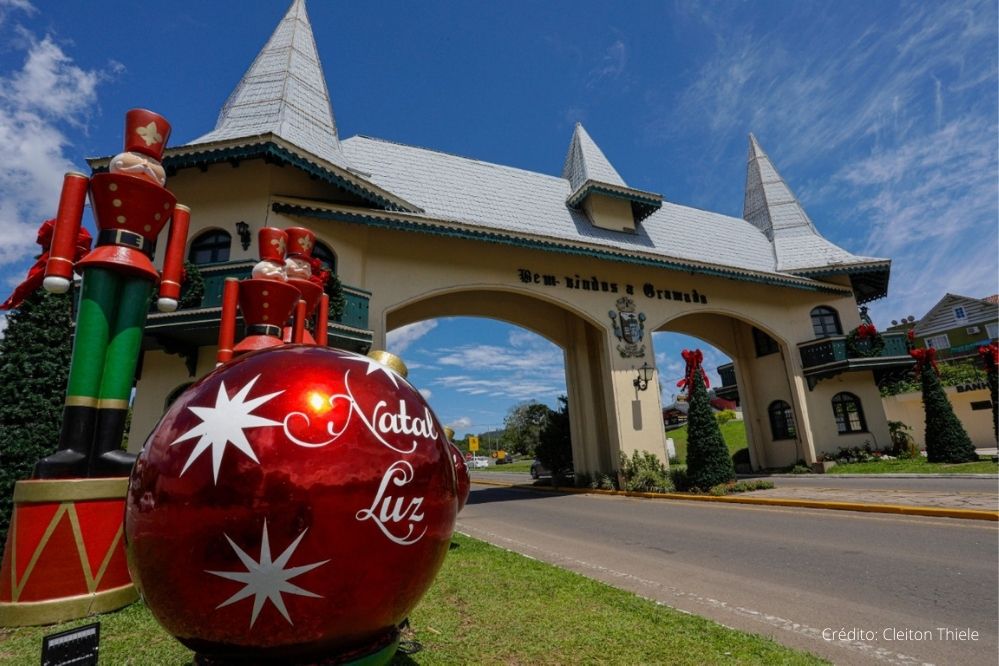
{"x": 271, "y": 151}
{"x": 374, "y": 220}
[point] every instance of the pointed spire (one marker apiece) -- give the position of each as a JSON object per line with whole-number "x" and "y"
{"x": 284, "y": 93}
{"x": 769, "y": 203}
{"x": 798, "y": 246}
{"x": 585, "y": 161}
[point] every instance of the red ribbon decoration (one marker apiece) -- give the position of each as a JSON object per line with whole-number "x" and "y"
{"x": 693, "y": 359}
{"x": 924, "y": 356}
{"x": 37, "y": 272}
{"x": 319, "y": 274}
{"x": 990, "y": 354}
{"x": 865, "y": 331}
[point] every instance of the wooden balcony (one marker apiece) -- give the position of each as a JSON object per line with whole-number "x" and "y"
{"x": 728, "y": 389}
{"x": 827, "y": 357}
{"x": 183, "y": 331}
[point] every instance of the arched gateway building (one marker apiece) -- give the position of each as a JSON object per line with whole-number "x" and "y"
{"x": 579, "y": 257}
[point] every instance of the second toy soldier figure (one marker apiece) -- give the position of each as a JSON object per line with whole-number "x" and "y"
{"x": 131, "y": 206}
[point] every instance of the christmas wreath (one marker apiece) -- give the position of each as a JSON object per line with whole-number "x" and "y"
{"x": 864, "y": 341}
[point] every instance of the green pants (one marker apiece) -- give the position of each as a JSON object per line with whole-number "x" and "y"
{"x": 106, "y": 348}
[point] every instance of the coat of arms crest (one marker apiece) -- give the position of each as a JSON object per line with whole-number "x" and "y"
{"x": 629, "y": 328}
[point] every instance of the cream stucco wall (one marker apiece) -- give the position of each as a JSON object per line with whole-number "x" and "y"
{"x": 908, "y": 408}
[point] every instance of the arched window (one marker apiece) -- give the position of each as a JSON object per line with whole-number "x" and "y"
{"x": 825, "y": 322}
{"x": 781, "y": 420}
{"x": 849, "y": 414}
{"x": 324, "y": 254}
{"x": 211, "y": 247}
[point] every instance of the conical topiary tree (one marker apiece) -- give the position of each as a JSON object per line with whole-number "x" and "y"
{"x": 708, "y": 461}
{"x": 946, "y": 439}
{"x": 34, "y": 354}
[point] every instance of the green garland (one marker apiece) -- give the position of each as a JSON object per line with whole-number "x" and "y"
{"x": 193, "y": 289}
{"x": 875, "y": 344}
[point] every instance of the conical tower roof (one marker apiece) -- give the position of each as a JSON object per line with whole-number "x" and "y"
{"x": 283, "y": 93}
{"x": 585, "y": 161}
{"x": 589, "y": 172}
{"x": 799, "y": 248}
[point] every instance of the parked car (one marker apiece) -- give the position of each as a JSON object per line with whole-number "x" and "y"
{"x": 538, "y": 470}
{"x": 478, "y": 462}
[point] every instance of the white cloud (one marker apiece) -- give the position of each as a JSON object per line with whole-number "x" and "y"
{"x": 9, "y": 6}
{"x": 47, "y": 94}
{"x": 612, "y": 64}
{"x": 399, "y": 340}
{"x": 426, "y": 393}
{"x": 462, "y": 423}
{"x": 3, "y": 323}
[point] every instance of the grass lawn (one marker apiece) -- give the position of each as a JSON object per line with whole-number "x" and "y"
{"x": 487, "y": 606}
{"x": 734, "y": 433}
{"x": 916, "y": 466}
{"x": 523, "y": 465}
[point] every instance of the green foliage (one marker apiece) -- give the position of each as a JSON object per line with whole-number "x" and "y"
{"x": 523, "y": 425}
{"x": 644, "y": 472}
{"x": 992, "y": 379}
{"x": 951, "y": 374}
{"x": 708, "y": 461}
{"x": 34, "y": 366}
{"x": 902, "y": 443}
{"x": 193, "y": 288}
{"x": 946, "y": 439}
{"x": 740, "y": 487}
{"x": 554, "y": 447}
{"x": 678, "y": 477}
{"x": 724, "y": 416}
{"x": 604, "y": 482}
{"x": 334, "y": 289}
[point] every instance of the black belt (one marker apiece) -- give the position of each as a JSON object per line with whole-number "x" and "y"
{"x": 127, "y": 239}
{"x": 264, "y": 329}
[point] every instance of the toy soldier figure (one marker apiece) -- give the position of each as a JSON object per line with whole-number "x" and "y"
{"x": 131, "y": 206}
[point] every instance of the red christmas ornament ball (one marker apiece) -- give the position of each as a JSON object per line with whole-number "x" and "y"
{"x": 295, "y": 504}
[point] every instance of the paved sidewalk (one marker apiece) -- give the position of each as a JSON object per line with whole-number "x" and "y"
{"x": 945, "y": 500}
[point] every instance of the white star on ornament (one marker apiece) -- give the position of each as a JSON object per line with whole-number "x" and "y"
{"x": 266, "y": 580}
{"x": 224, "y": 424}
{"x": 374, "y": 366}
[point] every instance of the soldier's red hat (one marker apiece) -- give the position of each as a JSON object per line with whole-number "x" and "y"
{"x": 300, "y": 242}
{"x": 273, "y": 244}
{"x": 146, "y": 132}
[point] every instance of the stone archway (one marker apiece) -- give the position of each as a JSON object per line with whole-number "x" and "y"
{"x": 592, "y": 415}
{"x": 762, "y": 374}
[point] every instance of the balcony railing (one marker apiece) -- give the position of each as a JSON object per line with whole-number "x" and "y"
{"x": 833, "y": 350}
{"x": 197, "y": 324}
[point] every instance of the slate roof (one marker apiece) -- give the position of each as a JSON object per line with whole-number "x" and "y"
{"x": 771, "y": 207}
{"x": 491, "y": 196}
{"x": 283, "y": 93}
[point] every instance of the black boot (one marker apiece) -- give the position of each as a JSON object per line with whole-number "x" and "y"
{"x": 70, "y": 461}
{"x": 106, "y": 456}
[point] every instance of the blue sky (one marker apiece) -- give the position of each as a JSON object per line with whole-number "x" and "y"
{"x": 881, "y": 116}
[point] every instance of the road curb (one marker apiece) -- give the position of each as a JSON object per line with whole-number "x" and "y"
{"x": 898, "y": 509}
{"x": 868, "y": 476}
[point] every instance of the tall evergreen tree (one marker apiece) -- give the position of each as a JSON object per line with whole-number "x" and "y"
{"x": 990, "y": 357}
{"x": 34, "y": 364}
{"x": 946, "y": 439}
{"x": 708, "y": 461}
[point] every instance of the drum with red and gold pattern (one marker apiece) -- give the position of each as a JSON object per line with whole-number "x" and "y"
{"x": 294, "y": 505}
{"x": 65, "y": 554}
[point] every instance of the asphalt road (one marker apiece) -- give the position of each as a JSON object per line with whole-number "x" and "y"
{"x": 923, "y": 484}
{"x": 891, "y": 583}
